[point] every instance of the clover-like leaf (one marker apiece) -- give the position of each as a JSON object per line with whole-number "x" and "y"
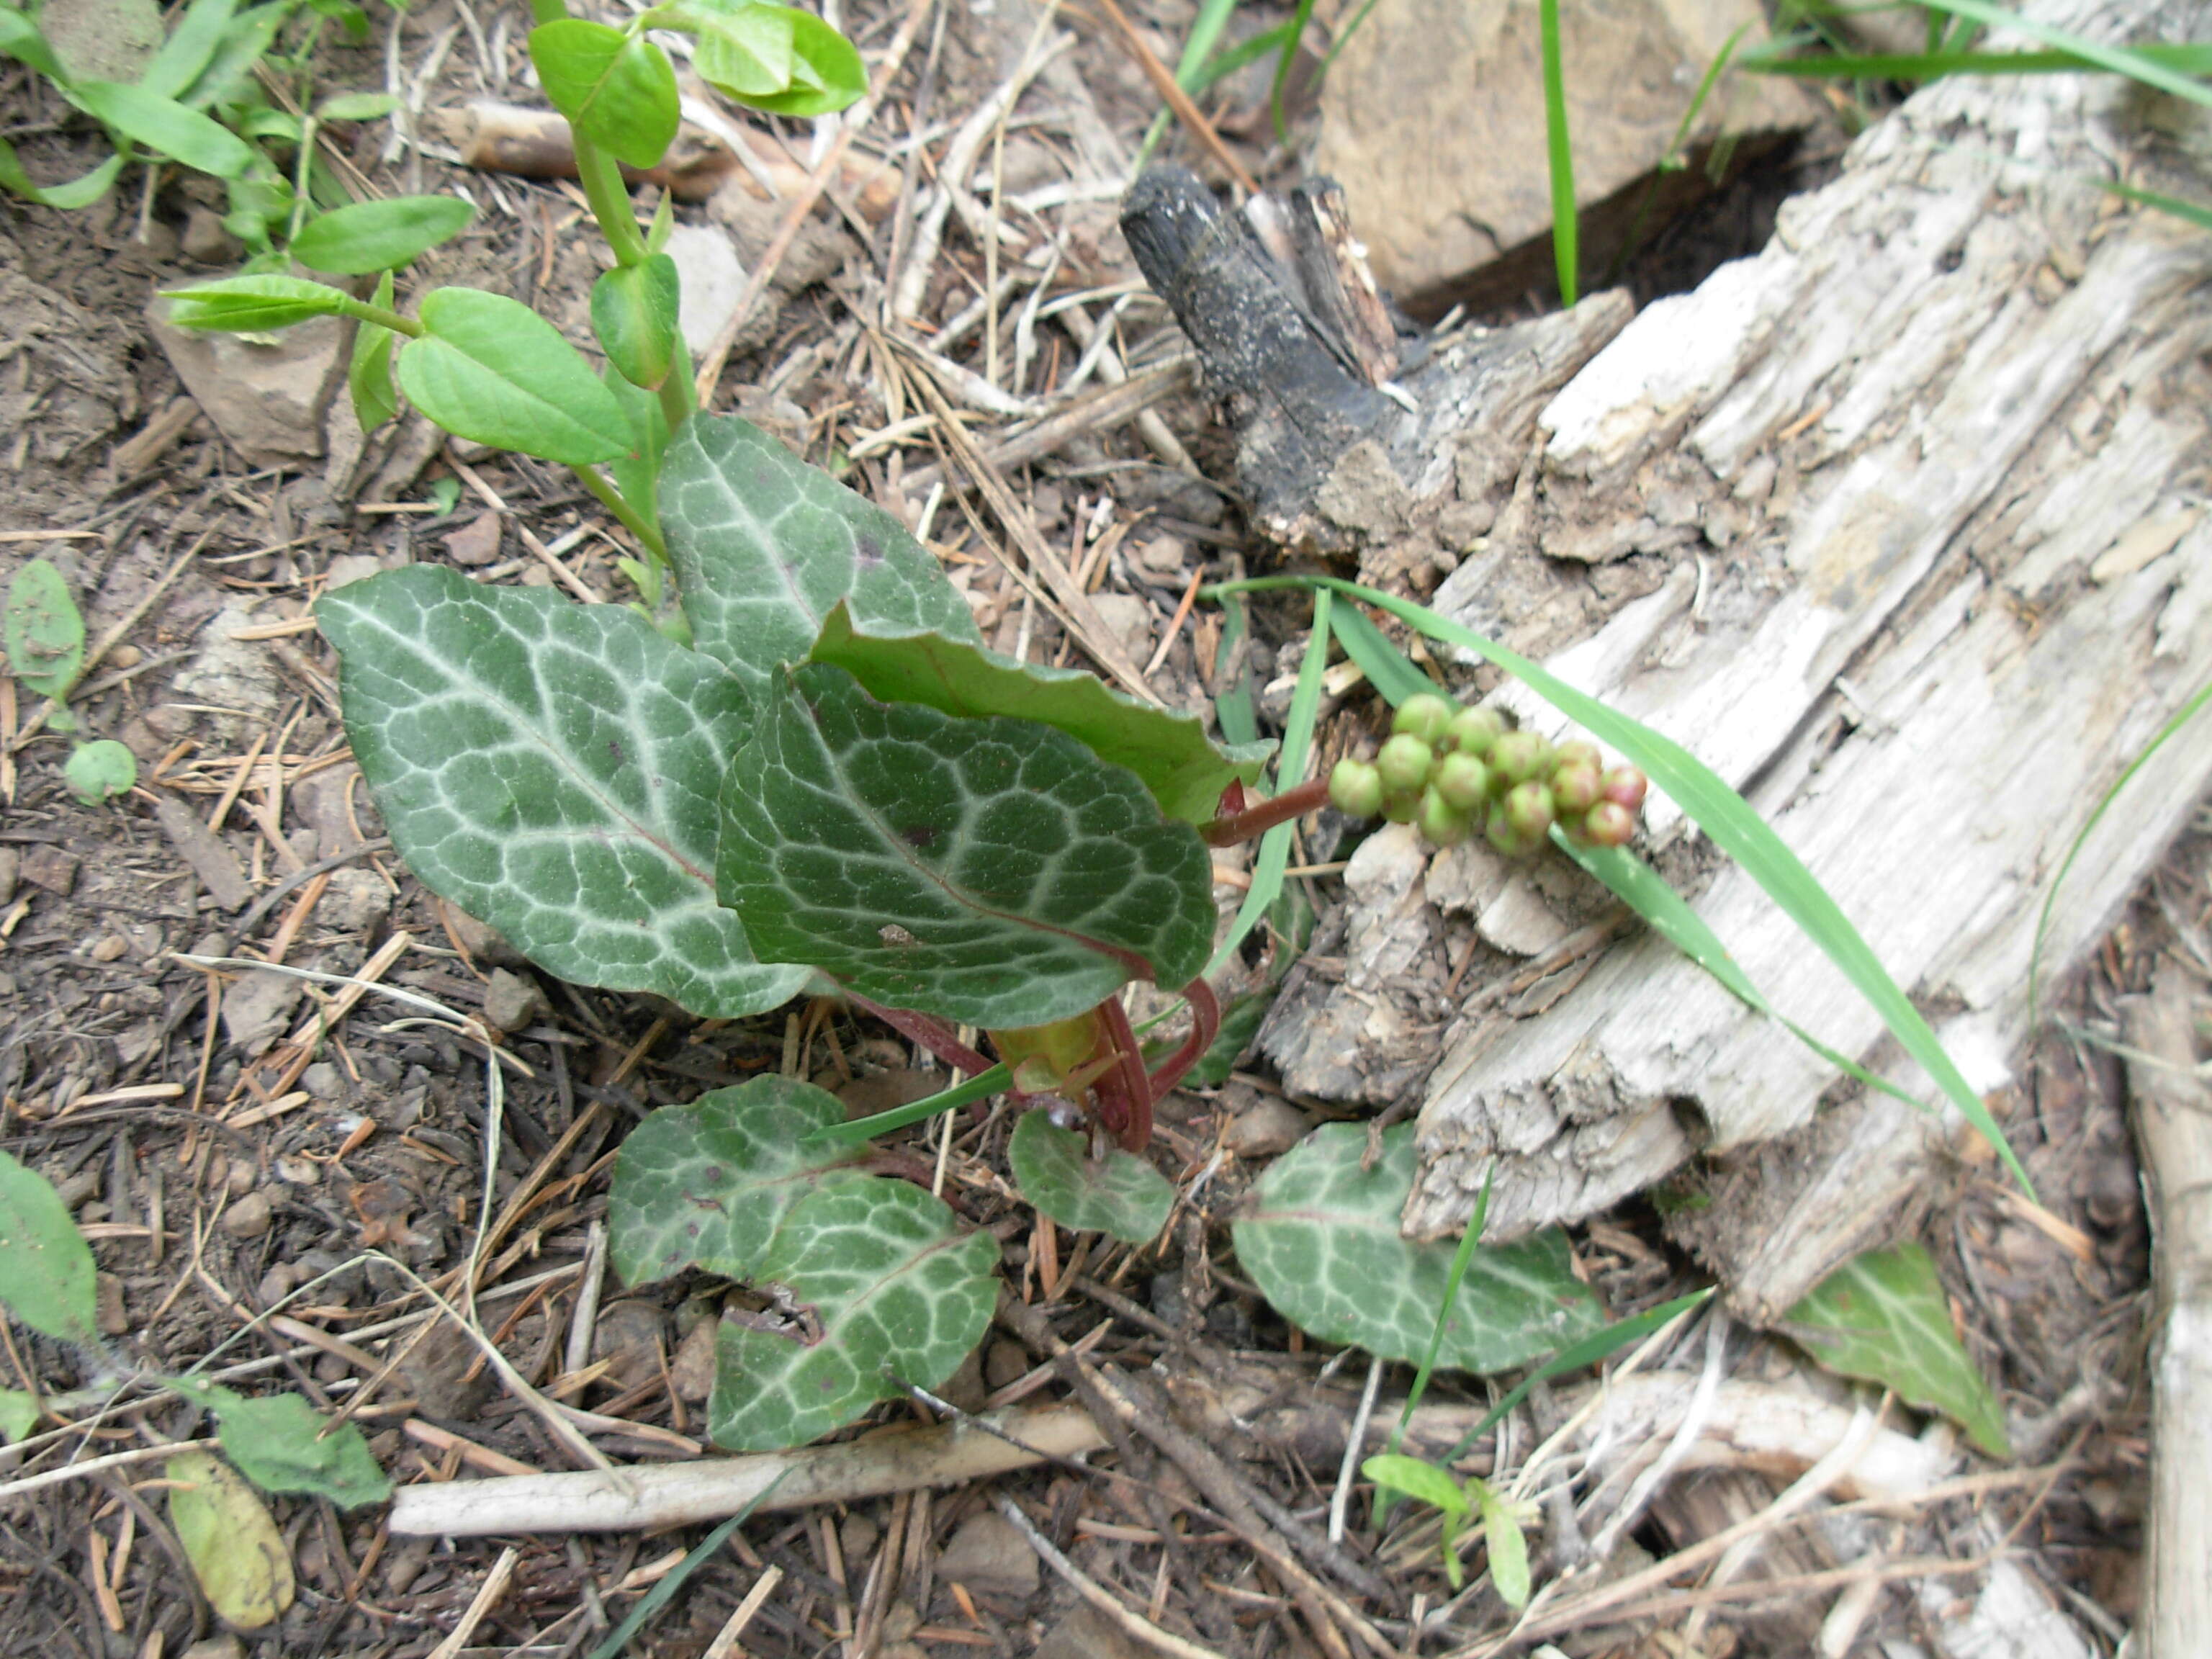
{"x": 994, "y": 871}
{"x": 281, "y": 1443}
{"x": 1170, "y": 751}
{"x": 1883, "y": 1316}
{"x": 46, "y": 1274}
{"x": 618, "y": 89}
{"x": 552, "y": 768}
{"x": 44, "y": 630}
{"x": 379, "y": 234}
{"x": 765, "y": 546}
{"x": 227, "y": 1535}
{"x": 1321, "y": 1243}
{"x": 1120, "y": 1195}
{"x": 879, "y": 1289}
{"x": 706, "y": 1185}
{"x": 491, "y": 369}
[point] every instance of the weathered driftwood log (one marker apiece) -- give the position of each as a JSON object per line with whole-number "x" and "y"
{"x": 1899, "y": 525}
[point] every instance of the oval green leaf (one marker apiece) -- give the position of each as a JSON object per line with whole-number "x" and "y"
{"x": 356, "y": 106}
{"x": 167, "y": 127}
{"x": 706, "y": 1185}
{"x": 281, "y": 1443}
{"x": 100, "y": 770}
{"x": 1882, "y": 1316}
{"x": 251, "y": 304}
{"x": 879, "y": 1289}
{"x": 746, "y": 52}
{"x": 44, "y": 630}
{"x": 493, "y": 371}
{"x": 368, "y": 375}
{"x": 633, "y": 314}
{"x": 1321, "y": 1243}
{"x": 995, "y": 873}
{"x": 1507, "y": 1545}
{"x": 81, "y": 192}
{"x": 552, "y": 768}
{"x": 20, "y": 39}
{"x": 826, "y": 72}
{"x": 1183, "y": 770}
{"x": 1122, "y": 1196}
{"x": 228, "y": 1536}
{"x": 765, "y": 546}
{"x": 1425, "y": 1482}
{"x": 380, "y": 236}
{"x": 46, "y": 1274}
{"x": 618, "y": 89}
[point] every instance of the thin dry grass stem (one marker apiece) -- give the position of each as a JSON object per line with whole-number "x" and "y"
{"x": 1685, "y": 1436}
{"x": 1176, "y": 99}
{"x": 487, "y": 1597}
{"x": 1134, "y": 1624}
{"x": 817, "y": 181}
{"x": 725, "y": 1644}
{"x": 1340, "y": 1503}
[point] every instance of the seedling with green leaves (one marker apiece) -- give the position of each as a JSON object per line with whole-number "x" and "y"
{"x": 45, "y": 633}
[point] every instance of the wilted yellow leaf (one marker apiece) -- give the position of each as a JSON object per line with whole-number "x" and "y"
{"x": 236, "y": 1550}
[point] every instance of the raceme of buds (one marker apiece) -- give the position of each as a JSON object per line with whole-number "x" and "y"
{"x": 1458, "y": 773}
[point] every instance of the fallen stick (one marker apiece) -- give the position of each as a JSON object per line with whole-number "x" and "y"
{"x": 2172, "y": 1111}
{"x": 672, "y": 1494}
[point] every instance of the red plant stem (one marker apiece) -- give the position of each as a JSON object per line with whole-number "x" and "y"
{"x": 1228, "y": 830}
{"x": 931, "y": 1033}
{"x": 1205, "y": 1026}
{"x": 1127, "y": 1084}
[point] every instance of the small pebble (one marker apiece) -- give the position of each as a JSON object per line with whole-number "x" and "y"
{"x": 240, "y": 1177}
{"x": 248, "y": 1217}
{"x": 1264, "y": 1129}
{"x": 125, "y": 656}
{"x": 692, "y": 1369}
{"x": 298, "y": 1171}
{"x": 108, "y": 947}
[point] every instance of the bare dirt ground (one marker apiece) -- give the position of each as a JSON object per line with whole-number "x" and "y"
{"x": 226, "y": 1137}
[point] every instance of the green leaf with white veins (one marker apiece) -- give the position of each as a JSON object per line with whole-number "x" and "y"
{"x": 1170, "y": 751}
{"x": 765, "y": 546}
{"x": 493, "y": 371}
{"x": 1883, "y": 1316}
{"x": 1321, "y": 1243}
{"x": 877, "y": 1289}
{"x": 552, "y": 768}
{"x": 1120, "y": 1195}
{"x": 995, "y": 873}
{"x": 706, "y": 1185}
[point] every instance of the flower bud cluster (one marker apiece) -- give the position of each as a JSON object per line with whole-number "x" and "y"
{"x": 1456, "y": 772}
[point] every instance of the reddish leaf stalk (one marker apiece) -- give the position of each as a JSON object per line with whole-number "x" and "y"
{"x": 1125, "y": 1094}
{"x": 1233, "y": 827}
{"x": 931, "y": 1033}
{"x": 1205, "y": 1026}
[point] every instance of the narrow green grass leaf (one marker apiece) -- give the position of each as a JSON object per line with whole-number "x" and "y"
{"x": 167, "y": 127}
{"x": 1120, "y": 1195}
{"x": 2188, "y": 711}
{"x": 981, "y": 1087}
{"x": 1559, "y": 149}
{"x": 1295, "y": 33}
{"x": 2120, "y": 60}
{"x": 1388, "y": 670}
{"x": 2195, "y": 213}
{"x": 1735, "y": 827}
{"x": 81, "y": 192}
{"x": 1467, "y": 1242}
{"x": 2190, "y": 60}
{"x": 1274, "y": 855}
{"x": 1883, "y": 1316}
{"x": 662, "y": 1594}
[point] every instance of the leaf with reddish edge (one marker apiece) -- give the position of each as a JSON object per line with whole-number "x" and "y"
{"x": 931, "y": 1033}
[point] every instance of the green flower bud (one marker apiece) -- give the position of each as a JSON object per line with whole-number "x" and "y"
{"x": 1441, "y": 822}
{"x": 1608, "y": 823}
{"x": 1462, "y": 780}
{"x": 1579, "y": 753}
{"x": 1574, "y": 789}
{"x": 1517, "y": 757}
{"x": 1355, "y": 789}
{"x": 1425, "y": 715}
{"x": 1528, "y": 811}
{"x": 1404, "y": 763}
{"x": 1626, "y": 786}
{"x": 1401, "y": 805}
{"x": 1473, "y": 730}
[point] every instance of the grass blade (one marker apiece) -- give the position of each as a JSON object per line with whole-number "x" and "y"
{"x": 1299, "y": 19}
{"x": 1735, "y": 827}
{"x": 2193, "y": 213}
{"x": 1388, "y": 670}
{"x": 1566, "y": 254}
{"x": 1465, "y": 1254}
{"x": 2120, "y": 60}
{"x": 868, "y": 1128}
{"x": 665, "y": 1592}
{"x": 1934, "y": 64}
{"x": 2050, "y": 898}
{"x": 1205, "y": 32}
{"x": 1274, "y": 855}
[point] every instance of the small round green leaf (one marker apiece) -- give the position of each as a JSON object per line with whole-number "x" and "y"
{"x": 281, "y": 1443}
{"x": 45, "y": 633}
{"x": 250, "y": 304}
{"x": 46, "y": 1275}
{"x": 493, "y": 371}
{"x": 879, "y": 1289}
{"x": 1122, "y": 1196}
{"x": 99, "y": 771}
{"x": 167, "y": 127}
{"x": 236, "y": 1552}
{"x": 706, "y": 1185}
{"x": 634, "y": 314}
{"x": 379, "y": 236}
{"x": 1322, "y": 1241}
{"x": 617, "y": 89}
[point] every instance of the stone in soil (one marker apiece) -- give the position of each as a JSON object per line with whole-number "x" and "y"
{"x": 249, "y": 1217}
{"x": 987, "y": 1554}
{"x": 266, "y": 399}
{"x": 52, "y": 867}
{"x": 257, "y": 1009}
{"x": 631, "y": 1331}
{"x": 692, "y": 1369}
{"x": 1265, "y": 1127}
{"x": 511, "y": 1001}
